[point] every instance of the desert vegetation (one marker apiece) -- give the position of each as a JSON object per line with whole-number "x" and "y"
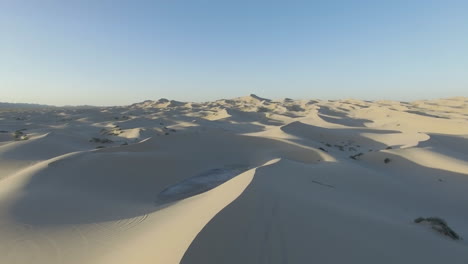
{"x": 439, "y": 225}
{"x": 114, "y": 131}
{"x": 101, "y": 140}
{"x": 20, "y": 135}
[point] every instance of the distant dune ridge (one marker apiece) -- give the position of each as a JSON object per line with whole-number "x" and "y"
{"x": 242, "y": 180}
{"x": 22, "y": 105}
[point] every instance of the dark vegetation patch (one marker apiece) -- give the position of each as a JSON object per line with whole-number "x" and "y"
{"x": 114, "y": 131}
{"x": 100, "y": 140}
{"x": 323, "y": 184}
{"x": 355, "y": 156}
{"x": 19, "y": 135}
{"x": 322, "y": 149}
{"x": 124, "y": 117}
{"x": 439, "y": 225}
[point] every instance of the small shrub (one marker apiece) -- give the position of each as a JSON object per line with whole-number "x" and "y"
{"x": 100, "y": 140}
{"x": 419, "y": 220}
{"x": 262, "y": 109}
{"x": 436, "y": 220}
{"x": 23, "y": 137}
{"x": 340, "y": 147}
{"x": 19, "y": 135}
{"x": 439, "y": 225}
{"x": 115, "y": 131}
{"x": 355, "y": 156}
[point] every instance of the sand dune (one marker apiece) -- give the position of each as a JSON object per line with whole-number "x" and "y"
{"x": 244, "y": 180}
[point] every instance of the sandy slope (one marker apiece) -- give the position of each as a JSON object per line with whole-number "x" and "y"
{"x": 245, "y": 180}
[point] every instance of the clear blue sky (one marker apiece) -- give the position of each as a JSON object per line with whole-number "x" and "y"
{"x": 120, "y": 52}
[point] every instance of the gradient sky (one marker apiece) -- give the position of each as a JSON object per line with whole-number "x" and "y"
{"x": 121, "y": 52}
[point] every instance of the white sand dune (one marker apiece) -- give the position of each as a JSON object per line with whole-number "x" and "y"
{"x": 245, "y": 180}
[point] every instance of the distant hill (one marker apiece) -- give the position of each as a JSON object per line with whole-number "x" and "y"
{"x": 23, "y": 106}
{"x": 4, "y": 105}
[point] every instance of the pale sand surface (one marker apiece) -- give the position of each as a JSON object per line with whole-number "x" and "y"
{"x": 244, "y": 180}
